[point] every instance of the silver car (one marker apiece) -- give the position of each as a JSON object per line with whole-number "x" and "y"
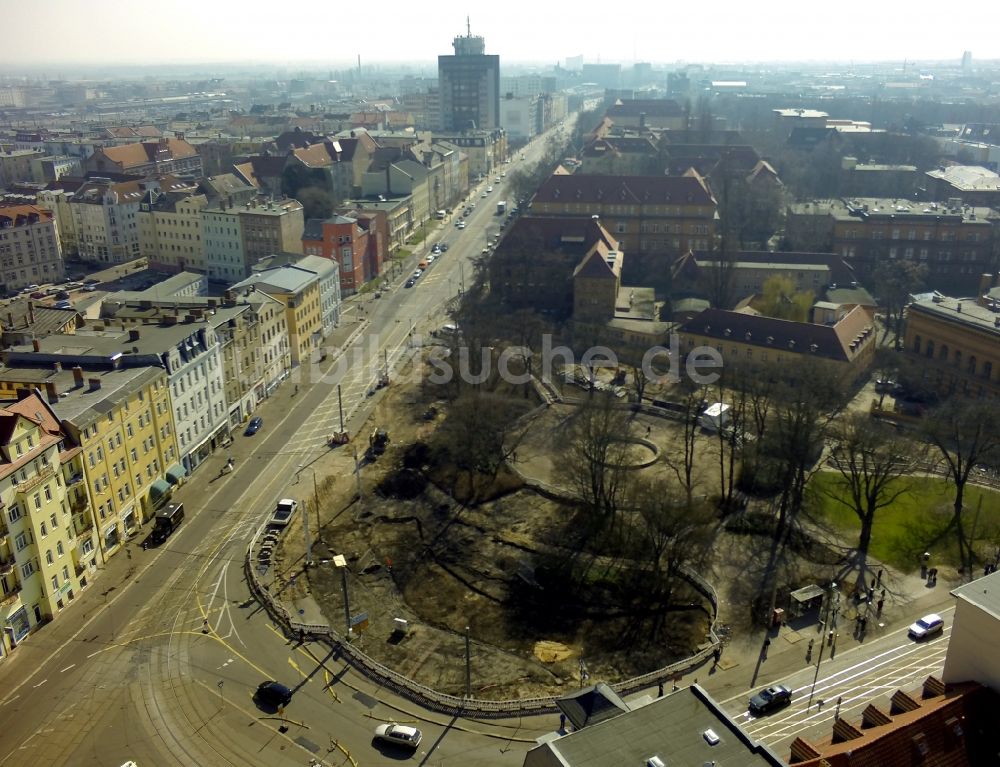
{"x": 398, "y": 734}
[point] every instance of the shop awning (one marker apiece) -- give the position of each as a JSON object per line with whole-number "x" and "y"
{"x": 158, "y": 489}
{"x": 175, "y": 474}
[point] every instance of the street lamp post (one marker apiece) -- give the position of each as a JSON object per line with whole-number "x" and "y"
{"x": 832, "y": 606}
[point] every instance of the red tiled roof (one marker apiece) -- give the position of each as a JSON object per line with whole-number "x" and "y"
{"x": 144, "y": 152}
{"x": 21, "y": 214}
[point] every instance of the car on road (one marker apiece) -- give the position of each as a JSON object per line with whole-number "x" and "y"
{"x": 284, "y": 512}
{"x": 483, "y": 194}
{"x": 410, "y": 282}
{"x": 274, "y": 693}
{"x": 444, "y": 247}
{"x": 770, "y": 699}
{"x": 399, "y": 735}
{"x": 460, "y": 225}
{"x": 38, "y": 294}
{"x": 91, "y": 281}
{"x": 436, "y": 248}
{"x": 417, "y": 273}
{"x": 489, "y": 189}
{"x": 253, "y": 426}
{"x": 927, "y": 627}
{"x": 62, "y": 305}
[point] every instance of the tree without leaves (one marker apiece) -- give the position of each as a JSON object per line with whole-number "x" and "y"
{"x": 963, "y": 433}
{"x": 594, "y": 464}
{"x": 872, "y": 460}
{"x": 673, "y": 536}
{"x": 894, "y": 282}
{"x": 690, "y": 407}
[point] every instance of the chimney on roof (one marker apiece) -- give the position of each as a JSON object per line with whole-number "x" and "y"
{"x": 94, "y": 383}
{"x": 77, "y": 376}
{"x": 36, "y": 344}
{"x": 57, "y": 366}
{"x": 51, "y": 392}
{"x": 133, "y": 334}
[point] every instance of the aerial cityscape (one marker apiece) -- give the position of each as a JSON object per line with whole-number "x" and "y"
{"x": 518, "y": 389}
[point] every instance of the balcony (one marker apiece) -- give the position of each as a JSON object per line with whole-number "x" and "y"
{"x": 78, "y": 504}
{"x": 29, "y": 485}
{"x": 11, "y": 596}
{"x": 6, "y": 565}
{"x": 74, "y": 480}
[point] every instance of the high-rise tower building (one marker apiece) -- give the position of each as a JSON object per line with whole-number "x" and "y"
{"x": 469, "y": 84}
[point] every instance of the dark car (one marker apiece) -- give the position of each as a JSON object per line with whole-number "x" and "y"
{"x": 254, "y": 426}
{"x": 410, "y": 283}
{"x": 274, "y": 693}
{"x": 444, "y": 247}
{"x": 770, "y": 699}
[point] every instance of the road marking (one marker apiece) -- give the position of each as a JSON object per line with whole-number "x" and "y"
{"x": 95, "y": 653}
{"x": 40, "y": 683}
{"x": 63, "y": 671}
{"x": 11, "y": 700}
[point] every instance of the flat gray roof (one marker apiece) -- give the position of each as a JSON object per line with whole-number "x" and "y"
{"x": 983, "y": 592}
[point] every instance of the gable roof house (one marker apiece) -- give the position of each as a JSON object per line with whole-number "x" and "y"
{"x": 147, "y": 158}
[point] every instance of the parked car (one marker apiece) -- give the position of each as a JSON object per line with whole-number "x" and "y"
{"x": 284, "y": 512}
{"x": 62, "y": 305}
{"x": 253, "y": 426}
{"x": 770, "y": 699}
{"x": 38, "y": 294}
{"x": 399, "y": 735}
{"x": 274, "y": 693}
{"x": 461, "y": 225}
{"x": 927, "y": 627}
{"x": 444, "y": 247}
{"x": 410, "y": 282}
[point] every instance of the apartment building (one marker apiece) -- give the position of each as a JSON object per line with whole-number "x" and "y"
{"x": 270, "y": 227}
{"x": 955, "y": 242}
{"x": 57, "y": 202}
{"x": 104, "y": 218}
{"x": 343, "y": 241}
{"x": 15, "y": 166}
{"x": 647, "y": 214}
{"x": 180, "y": 342}
{"x": 298, "y": 290}
{"x": 170, "y": 234}
{"x": 956, "y": 343}
{"x": 30, "y": 252}
{"x": 164, "y": 156}
{"x": 41, "y": 571}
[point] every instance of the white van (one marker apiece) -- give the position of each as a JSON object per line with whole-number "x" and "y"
{"x": 440, "y": 215}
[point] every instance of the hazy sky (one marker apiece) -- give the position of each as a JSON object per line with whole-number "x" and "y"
{"x": 548, "y": 31}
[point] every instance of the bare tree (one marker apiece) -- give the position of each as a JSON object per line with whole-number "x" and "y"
{"x": 873, "y": 462}
{"x": 688, "y": 409}
{"x": 594, "y": 464}
{"x": 894, "y": 282}
{"x": 673, "y": 534}
{"x": 964, "y": 433}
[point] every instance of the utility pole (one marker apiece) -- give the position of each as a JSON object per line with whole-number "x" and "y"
{"x": 468, "y": 665}
{"x": 340, "y": 562}
{"x": 319, "y": 526}
{"x": 357, "y": 472}
{"x": 340, "y": 407}
{"x": 305, "y": 533}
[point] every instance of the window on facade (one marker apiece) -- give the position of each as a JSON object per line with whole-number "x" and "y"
{"x": 27, "y": 570}
{"x": 48, "y": 557}
{"x": 21, "y": 541}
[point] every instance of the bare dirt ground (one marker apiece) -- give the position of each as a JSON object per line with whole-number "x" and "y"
{"x": 494, "y": 568}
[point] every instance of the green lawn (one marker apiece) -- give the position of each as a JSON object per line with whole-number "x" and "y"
{"x": 913, "y": 524}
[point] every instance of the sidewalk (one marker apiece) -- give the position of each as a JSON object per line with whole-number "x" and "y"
{"x": 788, "y": 647}
{"x": 106, "y": 586}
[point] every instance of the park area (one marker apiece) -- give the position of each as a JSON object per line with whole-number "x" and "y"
{"x": 487, "y": 521}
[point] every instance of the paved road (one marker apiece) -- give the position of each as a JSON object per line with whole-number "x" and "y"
{"x": 160, "y": 660}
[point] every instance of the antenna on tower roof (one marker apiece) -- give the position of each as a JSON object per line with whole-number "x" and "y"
{"x": 468, "y": 27}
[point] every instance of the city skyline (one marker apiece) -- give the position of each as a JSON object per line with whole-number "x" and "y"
{"x": 226, "y": 32}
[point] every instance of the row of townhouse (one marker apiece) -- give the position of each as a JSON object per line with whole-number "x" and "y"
{"x": 99, "y": 421}
{"x": 30, "y": 252}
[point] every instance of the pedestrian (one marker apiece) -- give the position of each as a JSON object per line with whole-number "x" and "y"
{"x": 829, "y": 637}
{"x": 878, "y": 578}
{"x": 878, "y": 608}
{"x": 871, "y": 594}
{"x": 660, "y": 694}
{"x": 839, "y": 701}
{"x": 562, "y": 717}
{"x": 819, "y": 704}
{"x": 717, "y": 655}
